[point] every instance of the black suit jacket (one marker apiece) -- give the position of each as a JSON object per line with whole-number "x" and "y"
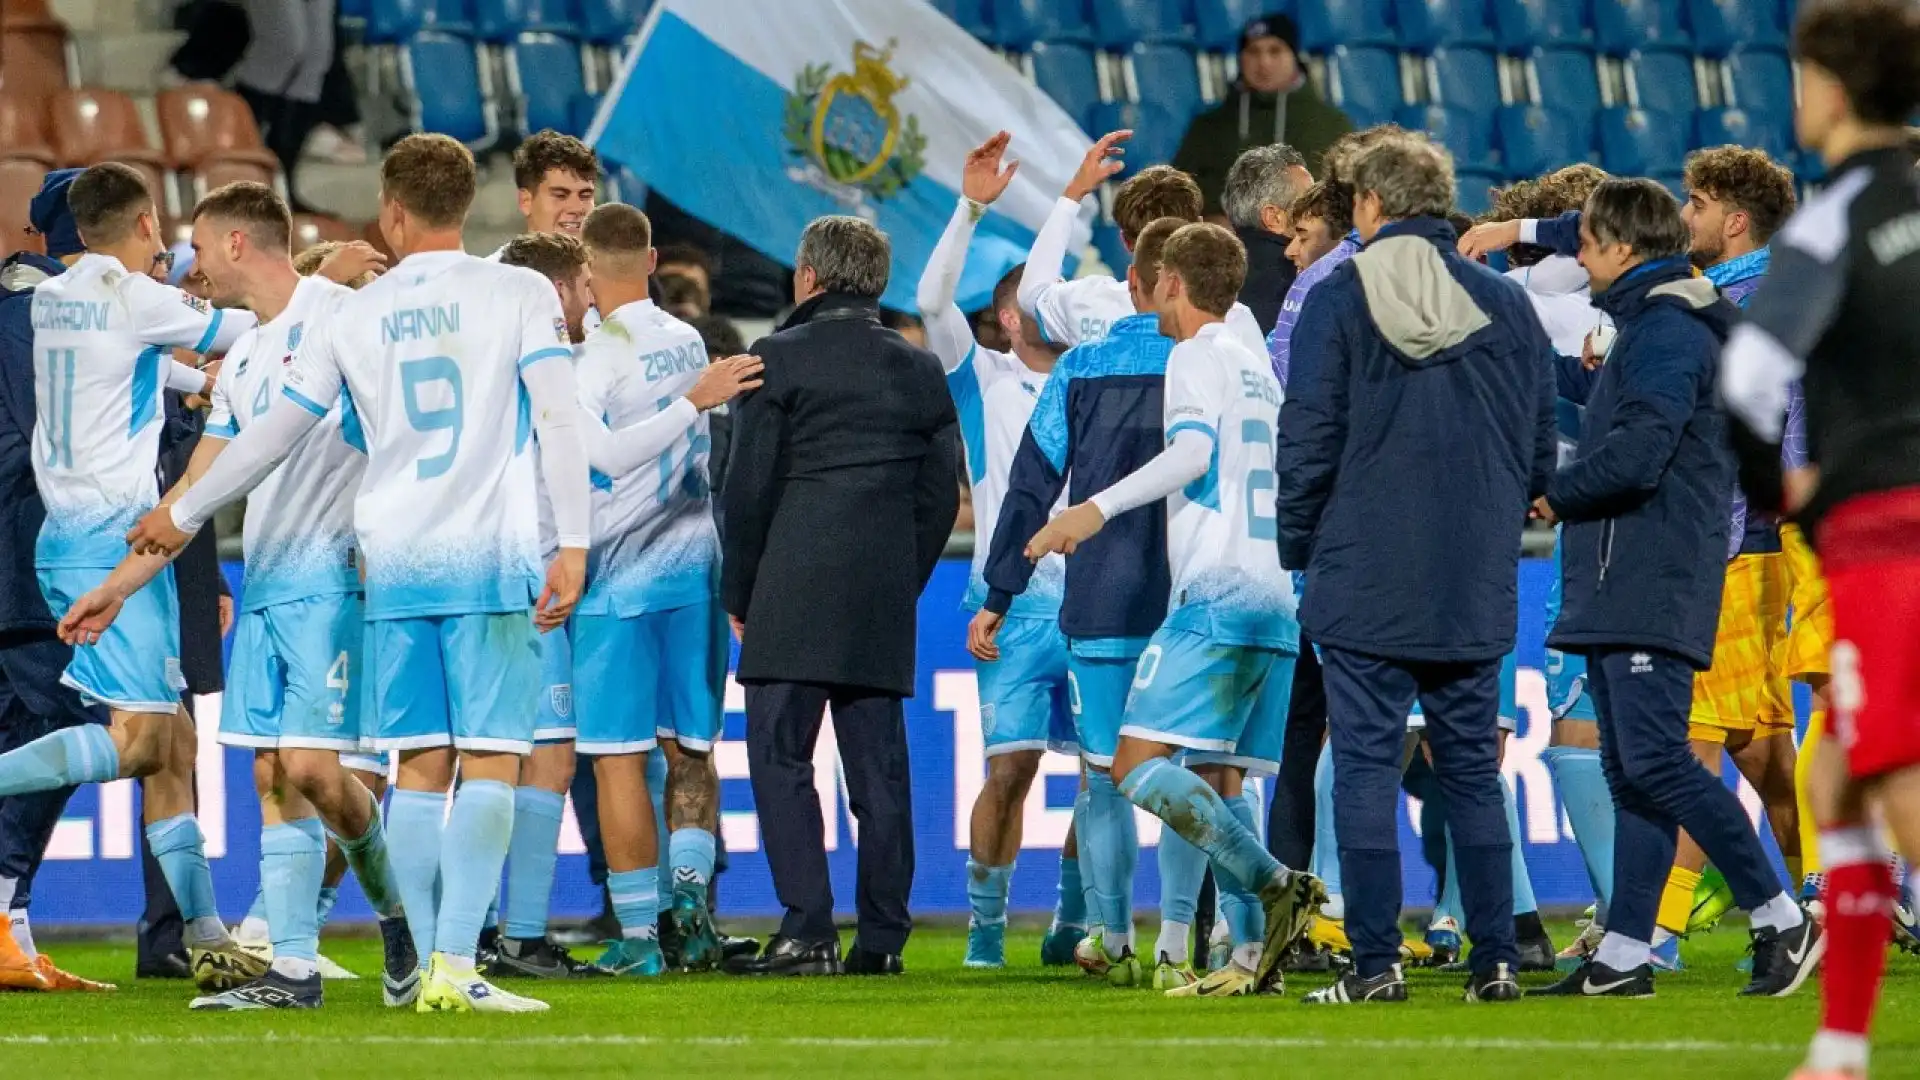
{"x": 839, "y": 499}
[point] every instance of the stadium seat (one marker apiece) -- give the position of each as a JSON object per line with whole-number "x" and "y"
{"x": 1120, "y": 24}
{"x": 1473, "y": 190}
{"x": 611, "y": 22}
{"x": 1675, "y": 182}
{"x": 1428, "y": 24}
{"x": 37, "y": 62}
{"x": 1738, "y": 127}
{"x": 545, "y": 76}
{"x": 583, "y": 109}
{"x": 1625, "y": 26}
{"x": 1721, "y": 26}
{"x": 1069, "y": 76}
{"x": 1565, "y": 79}
{"x": 1635, "y": 142}
{"x": 1327, "y": 24}
{"x": 23, "y": 128}
{"x": 201, "y": 121}
{"x": 1366, "y": 83}
{"x": 1017, "y": 24}
{"x": 1218, "y": 22}
{"x": 1662, "y": 82}
{"x": 19, "y": 181}
{"x": 1466, "y": 133}
{"x": 1536, "y": 139}
{"x": 90, "y": 126}
{"x": 1522, "y": 26}
{"x": 501, "y": 21}
{"x": 449, "y": 89}
{"x": 1167, "y": 76}
{"x": 220, "y": 171}
{"x": 1106, "y": 240}
{"x": 1157, "y": 131}
{"x": 1466, "y": 77}
{"x": 353, "y": 14}
{"x": 1758, "y": 80}
{"x": 970, "y": 14}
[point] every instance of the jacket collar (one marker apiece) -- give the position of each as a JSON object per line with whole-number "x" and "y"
{"x": 830, "y": 306}
{"x": 1668, "y": 282}
{"x": 1265, "y": 250}
{"x": 1434, "y": 230}
{"x": 1140, "y": 322}
{"x": 26, "y": 269}
{"x": 1751, "y": 265}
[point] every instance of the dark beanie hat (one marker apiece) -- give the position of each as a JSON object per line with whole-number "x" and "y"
{"x": 1275, "y": 25}
{"x": 50, "y": 217}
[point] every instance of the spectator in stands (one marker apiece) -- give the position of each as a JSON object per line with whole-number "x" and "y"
{"x": 1273, "y": 102}
{"x": 692, "y": 263}
{"x": 1318, "y": 221}
{"x": 682, "y": 297}
{"x": 289, "y": 49}
{"x": 1260, "y": 189}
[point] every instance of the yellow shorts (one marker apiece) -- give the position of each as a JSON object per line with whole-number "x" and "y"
{"x": 1744, "y": 689}
{"x": 1811, "y": 636}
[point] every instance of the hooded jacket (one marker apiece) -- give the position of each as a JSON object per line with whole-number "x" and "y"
{"x": 22, "y": 607}
{"x": 1215, "y": 139}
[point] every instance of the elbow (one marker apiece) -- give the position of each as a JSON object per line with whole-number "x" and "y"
{"x": 927, "y": 298}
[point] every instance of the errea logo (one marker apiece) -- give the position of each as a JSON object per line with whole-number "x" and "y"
{"x": 1642, "y": 663}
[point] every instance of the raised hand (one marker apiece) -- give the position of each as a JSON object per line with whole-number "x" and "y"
{"x": 982, "y": 179}
{"x": 1101, "y": 164}
{"x": 724, "y": 380}
{"x": 1492, "y": 236}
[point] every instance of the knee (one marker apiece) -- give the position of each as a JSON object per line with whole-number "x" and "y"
{"x": 311, "y": 774}
{"x": 147, "y": 752}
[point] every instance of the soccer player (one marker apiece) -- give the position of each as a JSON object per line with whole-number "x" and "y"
{"x": 1217, "y": 673}
{"x": 101, "y": 335}
{"x": 1023, "y": 672}
{"x": 556, "y": 178}
{"x": 1836, "y": 312}
{"x": 1084, "y": 309}
{"x": 1319, "y": 221}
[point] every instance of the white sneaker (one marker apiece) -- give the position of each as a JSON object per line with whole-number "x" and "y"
{"x": 444, "y": 991}
{"x": 333, "y": 972}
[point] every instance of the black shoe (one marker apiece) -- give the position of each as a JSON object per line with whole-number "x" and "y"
{"x": 867, "y": 962}
{"x": 672, "y": 948}
{"x": 733, "y": 947}
{"x": 400, "y": 974}
{"x": 1303, "y": 956}
{"x": 1536, "y": 953}
{"x": 270, "y": 991}
{"x": 1783, "y": 960}
{"x": 164, "y": 966}
{"x": 791, "y": 956}
{"x": 538, "y": 958}
{"x": 1495, "y": 985}
{"x": 1595, "y": 979}
{"x": 1351, "y": 989}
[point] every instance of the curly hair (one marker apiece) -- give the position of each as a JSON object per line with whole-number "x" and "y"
{"x": 1550, "y": 196}
{"x": 1747, "y": 180}
{"x": 1320, "y": 201}
{"x": 548, "y": 150}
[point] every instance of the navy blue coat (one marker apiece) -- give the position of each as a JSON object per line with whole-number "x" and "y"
{"x": 22, "y": 608}
{"x": 1647, "y": 497}
{"x": 1418, "y": 427}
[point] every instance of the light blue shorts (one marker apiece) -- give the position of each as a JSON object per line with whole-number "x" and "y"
{"x": 1194, "y": 692}
{"x": 1567, "y": 696}
{"x": 135, "y": 666}
{"x": 653, "y": 676}
{"x": 554, "y": 724}
{"x": 1099, "y": 676}
{"x": 1023, "y": 695}
{"x": 467, "y": 681}
{"x": 296, "y": 676}
{"x": 375, "y": 764}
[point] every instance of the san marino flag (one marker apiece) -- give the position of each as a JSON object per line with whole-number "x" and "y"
{"x": 758, "y": 116}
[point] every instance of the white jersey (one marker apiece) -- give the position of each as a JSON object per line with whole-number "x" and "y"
{"x": 101, "y": 340}
{"x": 298, "y": 537}
{"x": 432, "y": 354}
{"x": 654, "y": 543}
{"x": 1085, "y": 309}
{"x": 1558, "y": 288}
{"x": 994, "y": 394}
{"x": 1222, "y": 529}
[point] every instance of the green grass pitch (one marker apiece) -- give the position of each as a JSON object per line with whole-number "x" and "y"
{"x": 939, "y": 1020}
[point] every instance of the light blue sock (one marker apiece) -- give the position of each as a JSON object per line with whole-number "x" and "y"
{"x": 1182, "y": 868}
{"x": 181, "y": 851}
{"x": 258, "y": 910}
{"x": 1523, "y": 898}
{"x": 1114, "y": 844}
{"x": 1582, "y": 784}
{"x": 372, "y": 867}
{"x": 293, "y": 858}
{"x": 77, "y": 755}
{"x": 532, "y": 854}
{"x": 1070, "y": 905}
{"x": 987, "y": 892}
{"x": 691, "y": 852}
{"x": 471, "y": 855}
{"x": 416, "y": 820}
{"x": 657, "y": 794}
{"x": 329, "y": 896}
{"x": 636, "y": 901}
{"x": 1326, "y": 848}
{"x": 1239, "y": 908}
{"x": 1184, "y": 801}
{"x": 1083, "y": 861}
{"x": 1449, "y": 906}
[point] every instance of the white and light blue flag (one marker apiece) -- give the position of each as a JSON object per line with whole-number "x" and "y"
{"x": 758, "y": 116}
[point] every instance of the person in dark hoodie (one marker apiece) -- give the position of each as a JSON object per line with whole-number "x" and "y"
{"x": 1261, "y": 187}
{"x": 1646, "y": 503}
{"x": 1420, "y": 392}
{"x": 1272, "y": 102}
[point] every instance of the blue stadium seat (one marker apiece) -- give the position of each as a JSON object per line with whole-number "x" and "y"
{"x": 1467, "y": 77}
{"x": 1168, "y": 76}
{"x": 1219, "y": 22}
{"x": 1118, "y": 24}
{"x": 1624, "y": 26}
{"x": 1536, "y": 139}
{"x": 546, "y": 76}
{"x": 1525, "y": 25}
{"x": 1157, "y": 131}
{"x": 1427, "y": 24}
{"x": 1068, "y": 75}
{"x": 1473, "y": 190}
{"x": 1738, "y": 127}
{"x": 448, "y": 88}
{"x": 1635, "y": 142}
{"x": 1759, "y": 80}
{"x": 970, "y": 14}
{"x": 611, "y": 22}
{"x": 582, "y": 111}
{"x": 392, "y": 21}
{"x": 1663, "y": 82}
{"x": 1675, "y": 182}
{"x": 1567, "y": 79}
{"x": 1366, "y": 83}
{"x": 1721, "y": 26}
{"x": 1106, "y": 240}
{"x": 1325, "y": 24}
{"x": 1466, "y": 133}
{"x": 503, "y": 20}
{"x": 355, "y": 12}
{"x": 1017, "y": 24}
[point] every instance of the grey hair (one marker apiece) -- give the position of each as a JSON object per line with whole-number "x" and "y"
{"x": 1259, "y": 179}
{"x": 847, "y": 254}
{"x": 1639, "y": 213}
{"x": 1412, "y": 175}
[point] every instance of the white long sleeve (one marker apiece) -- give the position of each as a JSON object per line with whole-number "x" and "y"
{"x": 1048, "y": 259}
{"x": 1184, "y": 460}
{"x": 563, "y": 452}
{"x": 949, "y": 333}
{"x": 185, "y": 378}
{"x": 617, "y": 453}
{"x": 247, "y": 460}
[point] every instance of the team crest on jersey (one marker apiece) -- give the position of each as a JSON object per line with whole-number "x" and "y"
{"x": 846, "y": 136}
{"x": 562, "y": 698}
{"x": 196, "y": 303}
{"x": 294, "y": 335}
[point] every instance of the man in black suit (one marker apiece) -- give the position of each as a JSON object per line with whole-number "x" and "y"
{"x": 839, "y": 499}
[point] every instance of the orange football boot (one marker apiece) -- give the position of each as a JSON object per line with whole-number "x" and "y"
{"x": 66, "y": 981}
{"x": 17, "y": 969}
